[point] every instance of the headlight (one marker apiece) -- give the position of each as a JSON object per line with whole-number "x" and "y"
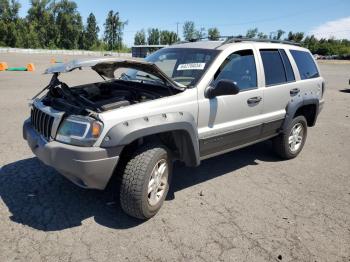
{"x": 79, "y": 131}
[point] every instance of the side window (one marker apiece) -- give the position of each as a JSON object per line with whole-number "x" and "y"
{"x": 287, "y": 66}
{"x": 240, "y": 68}
{"x": 273, "y": 67}
{"x": 305, "y": 63}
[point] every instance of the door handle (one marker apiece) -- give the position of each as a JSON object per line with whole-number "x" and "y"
{"x": 254, "y": 100}
{"x": 294, "y": 91}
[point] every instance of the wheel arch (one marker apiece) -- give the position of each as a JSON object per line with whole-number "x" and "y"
{"x": 308, "y": 108}
{"x": 309, "y": 111}
{"x": 177, "y": 131}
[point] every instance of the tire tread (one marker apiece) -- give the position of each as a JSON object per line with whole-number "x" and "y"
{"x": 280, "y": 144}
{"x": 133, "y": 180}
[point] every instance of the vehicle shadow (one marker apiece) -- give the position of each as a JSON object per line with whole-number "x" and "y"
{"x": 37, "y": 196}
{"x": 345, "y": 90}
{"x": 211, "y": 168}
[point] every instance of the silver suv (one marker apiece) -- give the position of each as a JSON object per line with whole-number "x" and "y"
{"x": 186, "y": 102}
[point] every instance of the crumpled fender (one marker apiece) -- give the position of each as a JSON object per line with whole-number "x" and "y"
{"x": 125, "y": 133}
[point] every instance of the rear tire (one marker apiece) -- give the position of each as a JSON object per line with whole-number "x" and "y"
{"x": 145, "y": 181}
{"x": 290, "y": 143}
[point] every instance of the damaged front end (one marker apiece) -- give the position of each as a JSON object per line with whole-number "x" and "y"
{"x": 146, "y": 83}
{"x": 71, "y": 114}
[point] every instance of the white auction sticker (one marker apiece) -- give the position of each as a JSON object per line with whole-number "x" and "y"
{"x": 191, "y": 66}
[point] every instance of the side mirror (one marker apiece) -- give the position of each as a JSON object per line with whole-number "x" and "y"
{"x": 222, "y": 88}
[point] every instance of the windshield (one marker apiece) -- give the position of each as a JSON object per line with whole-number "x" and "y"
{"x": 130, "y": 74}
{"x": 183, "y": 65}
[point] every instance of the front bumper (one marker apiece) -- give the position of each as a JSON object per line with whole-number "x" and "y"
{"x": 87, "y": 167}
{"x": 320, "y": 106}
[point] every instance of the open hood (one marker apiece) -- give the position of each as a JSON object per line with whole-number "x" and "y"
{"x": 107, "y": 66}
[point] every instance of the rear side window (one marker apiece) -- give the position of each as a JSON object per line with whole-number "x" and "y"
{"x": 305, "y": 63}
{"x": 288, "y": 67}
{"x": 240, "y": 68}
{"x": 273, "y": 67}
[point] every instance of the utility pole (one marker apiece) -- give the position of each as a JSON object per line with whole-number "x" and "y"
{"x": 177, "y": 29}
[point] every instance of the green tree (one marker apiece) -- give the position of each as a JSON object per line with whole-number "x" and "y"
{"x": 262, "y": 35}
{"x": 28, "y": 35}
{"x": 168, "y": 37}
{"x": 213, "y": 33}
{"x": 189, "y": 31}
{"x": 311, "y": 43}
{"x": 252, "y": 33}
{"x": 69, "y": 24}
{"x": 296, "y": 37}
{"x": 153, "y": 36}
{"x": 51, "y": 24}
{"x": 40, "y": 18}
{"x": 3, "y": 33}
{"x": 81, "y": 43}
{"x": 4, "y": 7}
{"x": 9, "y": 10}
{"x": 114, "y": 28}
{"x": 13, "y": 38}
{"x": 279, "y": 34}
{"x": 140, "y": 37}
{"x": 200, "y": 33}
{"x": 8, "y": 23}
{"x": 90, "y": 36}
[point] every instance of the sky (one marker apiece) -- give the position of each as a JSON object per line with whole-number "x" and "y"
{"x": 324, "y": 18}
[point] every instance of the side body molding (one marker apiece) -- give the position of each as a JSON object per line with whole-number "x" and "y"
{"x": 296, "y": 103}
{"x": 186, "y": 139}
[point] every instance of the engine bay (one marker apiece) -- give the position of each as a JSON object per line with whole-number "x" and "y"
{"x": 110, "y": 96}
{"x": 101, "y": 96}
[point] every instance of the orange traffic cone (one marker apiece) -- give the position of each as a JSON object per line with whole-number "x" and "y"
{"x": 3, "y": 66}
{"x": 30, "y": 67}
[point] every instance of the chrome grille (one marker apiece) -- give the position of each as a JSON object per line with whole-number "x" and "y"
{"x": 42, "y": 122}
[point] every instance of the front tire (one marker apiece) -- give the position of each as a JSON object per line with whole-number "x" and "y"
{"x": 290, "y": 143}
{"x": 145, "y": 181}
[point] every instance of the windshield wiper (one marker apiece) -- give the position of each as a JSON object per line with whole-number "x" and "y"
{"x": 150, "y": 78}
{"x": 125, "y": 76}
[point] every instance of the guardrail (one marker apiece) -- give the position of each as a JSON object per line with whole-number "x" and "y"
{"x": 62, "y": 52}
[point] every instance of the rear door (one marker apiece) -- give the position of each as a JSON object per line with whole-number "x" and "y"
{"x": 280, "y": 81}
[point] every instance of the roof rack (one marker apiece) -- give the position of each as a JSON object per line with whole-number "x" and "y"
{"x": 190, "y": 41}
{"x": 193, "y": 40}
{"x": 237, "y": 39}
{"x": 234, "y": 39}
{"x": 180, "y": 42}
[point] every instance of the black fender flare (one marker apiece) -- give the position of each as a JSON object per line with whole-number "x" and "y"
{"x": 124, "y": 133}
{"x": 297, "y": 103}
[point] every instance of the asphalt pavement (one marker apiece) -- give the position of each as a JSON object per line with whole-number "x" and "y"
{"x": 247, "y": 205}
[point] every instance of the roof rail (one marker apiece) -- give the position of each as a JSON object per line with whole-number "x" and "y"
{"x": 237, "y": 39}
{"x": 180, "y": 42}
{"x": 234, "y": 39}
{"x": 192, "y": 40}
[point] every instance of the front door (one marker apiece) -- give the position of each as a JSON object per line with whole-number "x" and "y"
{"x": 226, "y": 122}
